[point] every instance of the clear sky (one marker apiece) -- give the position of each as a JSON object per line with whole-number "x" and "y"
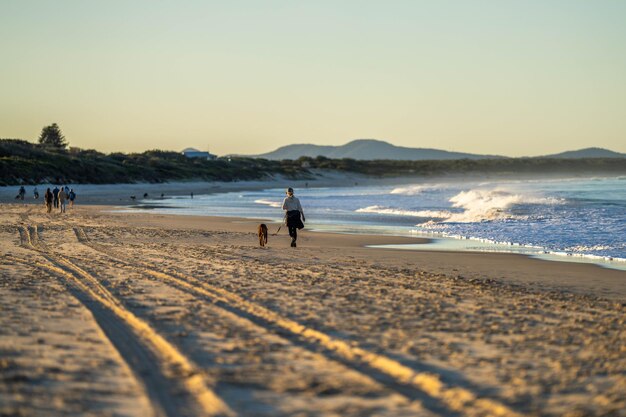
{"x": 503, "y": 77}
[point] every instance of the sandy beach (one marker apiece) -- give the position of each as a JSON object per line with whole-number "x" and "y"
{"x": 126, "y": 314}
{"x": 457, "y": 170}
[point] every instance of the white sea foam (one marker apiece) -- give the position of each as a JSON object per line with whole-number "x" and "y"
{"x": 268, "y": 203}
{"x": 416, "y": 189}
{"x": 485, "y": 205}
{"x": 433, "y": 225}
{"x": 478, "y": 205}
{"x": 432, "y": 214}
{"x": 587, "y": 248}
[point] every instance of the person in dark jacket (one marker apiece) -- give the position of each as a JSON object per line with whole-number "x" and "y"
{"x": 294, "y": 213}
{"x": 47, "y": 198}
{"x": 72, "y": 197}
{"x": 55, "y": 194}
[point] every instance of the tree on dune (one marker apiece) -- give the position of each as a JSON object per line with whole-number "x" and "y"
{"x": 52, "y": 136}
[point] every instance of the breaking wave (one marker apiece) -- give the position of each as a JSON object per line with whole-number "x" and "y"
{"x": 431, "y": 214}
{"x": 476, "y": 205}
{"x": 485, "y": 205}
{"x": 416, "y": 189}
{"x": 274, "y": 204}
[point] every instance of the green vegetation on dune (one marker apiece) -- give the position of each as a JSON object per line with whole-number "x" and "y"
{"x": 22, "y": 162}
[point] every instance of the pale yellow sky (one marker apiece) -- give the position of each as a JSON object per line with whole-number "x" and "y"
{"x": 500, "y": 77}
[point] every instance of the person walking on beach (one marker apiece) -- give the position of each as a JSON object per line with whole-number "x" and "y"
{"x": 55, "y": 194}
{"x": 36, "y": 193}
{"x": 21, "y": 193}
{"x": 62, "y": 200}
{"x": 47, "y": 197}
{"x": 72, "y": 197}
{"x": 293, "y": 212}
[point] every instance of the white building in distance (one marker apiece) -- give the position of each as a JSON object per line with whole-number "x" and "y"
{"x": 195, "y": 153}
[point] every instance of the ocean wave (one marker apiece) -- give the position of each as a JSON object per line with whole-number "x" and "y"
{"x": 432, "y": 225}
{"x": 416, "y": 189}
{"x": 268, "y": 203}
{"x": 588, "y": 248}
{"x": 614, "y": 259}
{"x": 432, "y": 214}
{"x": 488, "y": 205}
{"x": 477, "y": 205}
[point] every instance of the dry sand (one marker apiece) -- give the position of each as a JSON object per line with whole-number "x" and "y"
{"x": 153, "y": 315}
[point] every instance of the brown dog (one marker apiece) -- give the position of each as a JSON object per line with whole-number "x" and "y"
{"x": 262, "y": 235}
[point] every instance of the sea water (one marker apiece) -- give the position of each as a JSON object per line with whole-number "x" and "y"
{"x": 583, "y": 219}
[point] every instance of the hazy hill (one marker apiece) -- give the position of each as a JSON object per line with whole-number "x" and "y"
{"x": 367, "y": 149}
{"x": 588, "y": 153}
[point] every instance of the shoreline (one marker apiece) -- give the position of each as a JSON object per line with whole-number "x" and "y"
{"x": 430, "y": 242}
{"x": 510, "y": 268}
{"x": 117, "y": 195}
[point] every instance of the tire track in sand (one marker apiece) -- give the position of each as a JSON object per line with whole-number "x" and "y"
{"x": 424, "y": 386}
{"x": 174, "y": 385}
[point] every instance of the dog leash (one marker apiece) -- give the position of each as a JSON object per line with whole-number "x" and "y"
{"x": 281, "y": 225}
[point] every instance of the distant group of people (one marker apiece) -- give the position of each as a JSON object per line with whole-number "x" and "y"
{"x": 58, "y": 198}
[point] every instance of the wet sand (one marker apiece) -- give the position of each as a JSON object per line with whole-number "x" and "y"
{"x": 145, "y": 314}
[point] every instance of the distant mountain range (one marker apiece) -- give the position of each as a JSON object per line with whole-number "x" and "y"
{"x": 588, "y": 153}
{"x": 370, "y": 149}
{"x": 367, "y": 149}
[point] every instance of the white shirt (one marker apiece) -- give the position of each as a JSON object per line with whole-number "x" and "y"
{"x": 292, "y": 203}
